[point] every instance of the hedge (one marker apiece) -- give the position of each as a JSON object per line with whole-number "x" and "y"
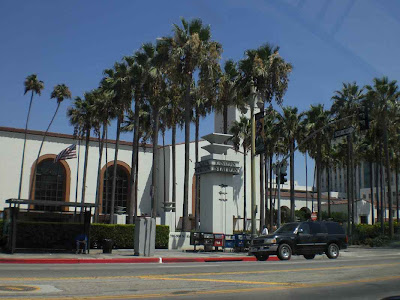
{"x": 371, "y": 235}
{"x": 54, "y": 235}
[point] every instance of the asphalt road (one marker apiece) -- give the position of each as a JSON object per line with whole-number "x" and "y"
{"x": 373, "y": 275}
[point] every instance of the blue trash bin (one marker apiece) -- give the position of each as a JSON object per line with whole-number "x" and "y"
{"x": 229, "y": 241}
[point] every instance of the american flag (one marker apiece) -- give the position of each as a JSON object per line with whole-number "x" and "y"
{"x": 67, "y": 153}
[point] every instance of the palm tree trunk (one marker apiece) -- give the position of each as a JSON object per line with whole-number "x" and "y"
{"x": 196, "y": 191}
{"x": 40, "y": 150}
{"x": 372, "y": 192}
{"x": 164, "y": 169}
{"x": 348, "y": 186}
{"x": 23, "y": 149}
{"x": 262, "y": 202}
{"x": 225, "y": 118}
{"x": 382, "y": 195}
{"x": 389, "y": 177}
{"x": 154, "y": 200}
{"x": 397, "y": 189}
{"x": 136, "y": 181}
{"x": 378, "y": 215}
{"x": 266, "y": 189}
{"x": 101, "y": 146}
{"x": 319, "y": 182}
{"x": 105, "y": 199}
{"x": 292, "y": 202}
{"x": 174, "y": 165}
{"x": 329, "y": 189}
{"x": 271, "y": 207}
{"x": 244, "y": 190}
{"x": 188, "y": 107}
{"x": 85, "y": 165}
{"x": 114, "y": 178}
{"x": 132, "y": 205}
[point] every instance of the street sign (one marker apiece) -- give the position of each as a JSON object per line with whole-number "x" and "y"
{"x": 314, "y": 216}
{"x": 342, "y": 132}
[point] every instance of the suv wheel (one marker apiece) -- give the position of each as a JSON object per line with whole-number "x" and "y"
{"x": 333, "y": 251}
{"x": 262, "y": 257}
{"x": 309, "y": 256}
{"x": 284, "y": 252}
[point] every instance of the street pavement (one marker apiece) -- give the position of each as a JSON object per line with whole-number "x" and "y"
{"x": 358, "y": 273}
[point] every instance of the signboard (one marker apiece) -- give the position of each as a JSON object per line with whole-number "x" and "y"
{"x": 342, "y": 132}
{"x": 314, "y": 216}
{"x": 217, "y": 166}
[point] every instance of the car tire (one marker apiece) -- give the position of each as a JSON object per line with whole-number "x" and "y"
{"x": 262, "y": 257}
{"x": 309, "y": 256}
{"x": 284, "y": 252}
{"x": 333, "y": 251}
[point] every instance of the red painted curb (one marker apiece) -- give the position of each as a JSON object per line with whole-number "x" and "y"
{"x": 126, "y": 260}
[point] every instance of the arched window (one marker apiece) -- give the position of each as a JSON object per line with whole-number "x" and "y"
{"x": 50, "y": 183}
{"x": 121, "y": 190}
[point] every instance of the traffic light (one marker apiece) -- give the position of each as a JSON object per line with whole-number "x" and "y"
{"x": 363, "y": 118}
{"x": 283, "y": 178}
{"x": 283, "y": 174}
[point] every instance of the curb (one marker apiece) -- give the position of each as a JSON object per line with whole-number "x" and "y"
{"x": 127, "y": 260}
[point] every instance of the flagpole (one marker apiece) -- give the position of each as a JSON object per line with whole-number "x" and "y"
{"x": 77, "y": 175}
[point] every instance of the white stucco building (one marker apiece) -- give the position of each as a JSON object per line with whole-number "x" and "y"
{"x": 62, "y": 181}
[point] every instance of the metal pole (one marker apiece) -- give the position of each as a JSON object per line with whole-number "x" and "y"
{"x": 253, "y": 176}
{"x": 278, "y": 222}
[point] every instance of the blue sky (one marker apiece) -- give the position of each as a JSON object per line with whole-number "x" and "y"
{"x": 72, "y": 42}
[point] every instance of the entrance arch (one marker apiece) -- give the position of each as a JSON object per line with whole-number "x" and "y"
{"x": 122, "y": 191}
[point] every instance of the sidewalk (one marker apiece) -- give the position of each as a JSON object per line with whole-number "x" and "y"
{"x": 124, "y": 256}
{"x": 162, "y": 256}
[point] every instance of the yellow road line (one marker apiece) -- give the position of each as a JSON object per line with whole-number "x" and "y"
{"x": 191, "y": 274}
{"x": 225, "y": 291}
{"x": 274, "y": 271}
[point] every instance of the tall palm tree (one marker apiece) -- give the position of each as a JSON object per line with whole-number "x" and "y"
{"x": 35, "y": 86}
{"x": 139, "y": 66}
{"x": 82, "y": 117}
{"x": 191, "y": 48}
{"x": 386, "y": 94}
{"x": 227, "y": 91}
{"x": 104, "y": 112}
{"x": 116, "y": 80}
{"x": 313, "y": 120}
{"x": 60, "y": 92}
{"x": 289, "y": 124}
{"x": 271, "y": 137}
{"x": 241, "y": 136}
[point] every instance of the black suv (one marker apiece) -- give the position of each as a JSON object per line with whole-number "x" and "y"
{"x": 301, "y": 238}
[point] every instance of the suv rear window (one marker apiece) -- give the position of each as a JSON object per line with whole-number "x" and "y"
{"x": 334, "y": 228}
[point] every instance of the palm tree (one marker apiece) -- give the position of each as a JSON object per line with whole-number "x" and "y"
{"x": 82, "y": 117}
{"x": 241, "y": 131}
{"x": 139, "y": 66}
{"x": 313, "y": 120}
{"x": 227, "y": 91}
{"x": 60, "y": 92}
{"x": 265, "y": 69}
{"x": 35, "y": 86}
{"x": 116, "y": 80}
{"x": 104, "y": 112}
{"x": 289, "y": 124}
{"x": 271, "y": 137}
{"x": 385, "y": 93}
{"x": 191, "y": 48}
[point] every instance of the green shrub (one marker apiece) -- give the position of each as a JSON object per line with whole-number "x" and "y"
{"x": 162, "y": 236}
{"x": 335, "y": 216}
{"x": 53, "y": 235}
